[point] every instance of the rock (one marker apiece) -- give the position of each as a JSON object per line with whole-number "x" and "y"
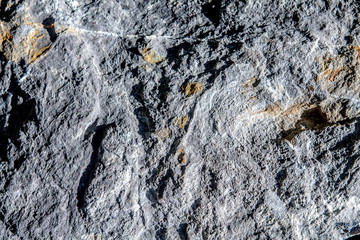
{"x": 179, "y": 119}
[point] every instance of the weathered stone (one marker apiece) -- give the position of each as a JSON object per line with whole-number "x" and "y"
{"x": 216, "y": 119}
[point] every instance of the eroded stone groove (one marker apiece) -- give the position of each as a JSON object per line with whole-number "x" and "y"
{"x": 21, "y": 110}
{"x": 146, "y": 123}
{"x": 90, "y": 170}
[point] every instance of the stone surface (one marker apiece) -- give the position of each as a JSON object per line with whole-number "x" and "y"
{"x": 175, "y": 119}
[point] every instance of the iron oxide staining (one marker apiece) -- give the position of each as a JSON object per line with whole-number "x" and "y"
{"x": 191, "y": 88}
{"x": 181, "y": 121}
{"x": 310, "y": 119}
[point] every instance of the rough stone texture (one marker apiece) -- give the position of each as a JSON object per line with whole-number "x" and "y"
{"x": 147, "y": 119}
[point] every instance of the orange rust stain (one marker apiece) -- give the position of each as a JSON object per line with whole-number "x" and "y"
{"x": 151, "y": 56}
{"x": 37, "y": 53}
{"x": 8, "y": 37}
{"x": 181, "y": 157}
{"x": 191, "y": 88}
{"x": 26, "y": 46}
{"x": 181, "y": 121}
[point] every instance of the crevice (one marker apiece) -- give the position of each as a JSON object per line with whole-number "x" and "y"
{"x": 354, "y": 237}
{"x": 8, "y": 224}
{"x": 212, "y": 11}
{"x": 146, "y": 123}
{"x": 175, "y": 54}
{"x": 163, "y": 91}
{"x": 311, "y": 119}
{"x": 22, "y": 111}
{"x": 142, "y": 113}
{"x": 89, "y": 173}
{"x": 50, "y": 28}
{"x": 216, "y": 72}
{"x": 161, "y": 234}
{"x": 163, "y": 183}
{"x": 183, "y": 231}
{"x": 154, "y": 194}
{"x": 280, "y": 178}
{"x": 349, "y": 143}
{"x": 213, "y": 181}
{"x": 305, "y": 124}
{"x": 258, "y": 204}
{"x": 355, "y": 231}
{"x": 235, "y": 31}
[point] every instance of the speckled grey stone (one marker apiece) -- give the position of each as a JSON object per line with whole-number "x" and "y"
{"x": 175, "y": 119}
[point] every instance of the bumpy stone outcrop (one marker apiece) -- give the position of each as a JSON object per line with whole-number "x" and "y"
{"x": 214, "y": 119}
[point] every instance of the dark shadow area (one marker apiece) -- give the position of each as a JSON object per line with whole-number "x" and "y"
{"x": 135, "y": 45}
{"x": 280, "y": 178}
{"x": 213, "y": 181}
{"x": 216, "y": 72}
{"x": 348, "y": 143}
{"x": 311, "y": 119}
{"x": 356, "y": 237}
{"x": 163, "y": 90}
{"x": 23, "y": 110}
{"x": 212, "y": 10}
{"x": 163, "y": 183}
{"x": 134, "y": 51}
{"x": 50, "y": 28}
{"x": 174, "y": 54}
{"x": 355, "y": 231}
{"x": 160, "y": 234}
{"x": 234, "y": 31}
{"x": 7, "y": 10}
{"x": 8, "y": 224}
{"x": 183, "y": 231}
{"x": 146, "y": 123}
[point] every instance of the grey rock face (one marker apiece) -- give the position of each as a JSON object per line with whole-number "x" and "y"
{"x": 178, "y": 119}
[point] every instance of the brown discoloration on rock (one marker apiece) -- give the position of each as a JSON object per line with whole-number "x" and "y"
{"x": 181, "y": 157}
{"x": 181, "y": 121}
{"x": 31, "y": 45}
{"x": 150, "y": 55}
{"x": 301, "y": 117}
{"x": 311, "y": 119}
{"x": 340, "y": 74}
{"x": 252, "y": 82}
{"x": 6, "y": 40}
{"x": 38, "y": 52}
{"x": 191, "y": 88}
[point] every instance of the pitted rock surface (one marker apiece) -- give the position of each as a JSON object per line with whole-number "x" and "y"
{"x": 205, "y": 119}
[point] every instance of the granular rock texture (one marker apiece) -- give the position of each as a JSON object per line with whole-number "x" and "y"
{"x": 174, "y": 119}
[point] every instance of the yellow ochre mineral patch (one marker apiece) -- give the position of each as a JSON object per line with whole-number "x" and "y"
{"x": 191, "y": 88}
{"x": 151, "y": 56}
{"x": 31, "y": 43}
{"x": 181, "y": 157}
{"x": 181, "y": 121}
